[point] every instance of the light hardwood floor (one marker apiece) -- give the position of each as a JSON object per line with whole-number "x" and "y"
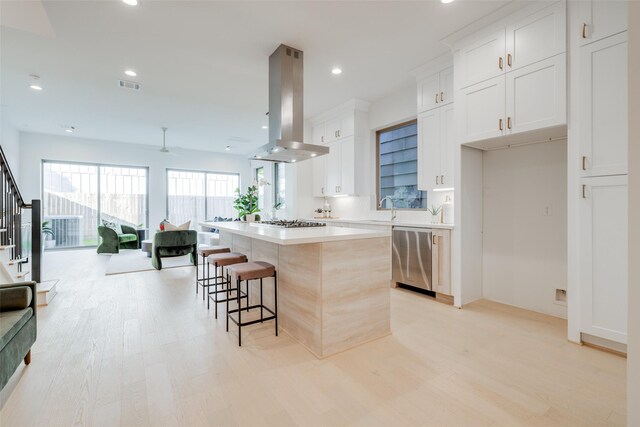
{"x": 142, "y": 349}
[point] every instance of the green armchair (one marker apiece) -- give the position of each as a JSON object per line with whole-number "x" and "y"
{"x": 167, "y": 244}
{"x": 111, "y": 242}
{"x": 17, "y": 327}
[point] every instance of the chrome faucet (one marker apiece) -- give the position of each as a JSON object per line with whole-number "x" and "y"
{"x": 393, "y": 209}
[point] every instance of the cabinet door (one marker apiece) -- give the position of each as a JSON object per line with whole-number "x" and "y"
{"x": 441, "y": 262}
{"x": 603, "y": 257}
{"x": 347, "y": 167}
{"x": 601, "y": 18}
{"x": 331, "y": 130}
{"x": 333, "y": 169}
{"x": 483, "y": 110}
{"x": 319, "y": 165}
{"x": 347, "y": 126}
{"x": 318, "y": 136}
{"x": 538, "y": 36}
{"x": 446, "y": 86}
{"x": 429, "y": 150}
{"x": 603, "y": 113}
{"x": 482, "y": 60}
{"x": 447, "y": 143}
{"x": 428, "y": 93}
{"x": 537, "y": 95}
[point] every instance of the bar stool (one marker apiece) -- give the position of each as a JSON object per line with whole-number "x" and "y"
{"x": 221, "y": 260}
{"x": 252, "y": 271}
{"x": 204, "y": 252}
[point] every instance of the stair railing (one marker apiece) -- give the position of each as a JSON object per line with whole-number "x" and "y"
{"x": 12, "y": 207}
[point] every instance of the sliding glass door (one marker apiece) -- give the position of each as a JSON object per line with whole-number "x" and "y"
{"x": 76, "y": 197}
{"x": 198, "y": 196}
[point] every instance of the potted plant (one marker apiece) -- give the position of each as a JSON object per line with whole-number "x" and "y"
{"x": 247, "y": 204}
{"x": 48, "y": 236}
{"x": 435, "y": 214}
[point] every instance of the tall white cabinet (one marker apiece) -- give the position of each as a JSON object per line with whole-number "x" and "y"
{"x": 602, "y": 142}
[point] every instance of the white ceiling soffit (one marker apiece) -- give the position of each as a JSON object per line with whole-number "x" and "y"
{"x": 203, "y": 65}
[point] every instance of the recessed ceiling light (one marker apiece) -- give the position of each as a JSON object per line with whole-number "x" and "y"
{"x": 228, "y": 147}
{"x": 336, "y": 70}
{"x": 265, "y": 127}
{"x": 258, "y": 157}
{"x": 275, "y": 150}
{"x": 446, "y": 1}
{"x": 313, "y": 154}
{"x": 130, "y": 2}
{"x": 293, "y": 160}
{"x": 35, "y": 87}
{"x": 69, "y": 129}
{"x": 131, "y": 73}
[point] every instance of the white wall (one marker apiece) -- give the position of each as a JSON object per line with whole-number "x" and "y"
{"x": 633, "y": 346}
{"x": 37, "y": 147}
{"x": 11, "y": 147}
{"x": 524, "y": 250}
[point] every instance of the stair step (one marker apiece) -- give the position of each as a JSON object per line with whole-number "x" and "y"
{"x": 22, "y": 274}
{"x": 3, "y": 230}
{"x": 18, "y": 261}
{"x": 5, "y": 247}
{"x": 46, "y": 291}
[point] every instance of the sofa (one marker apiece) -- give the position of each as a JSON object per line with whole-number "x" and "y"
{"x": 167, "y": 244}
{"x": 111, "y": 242}
{"x": 17, "y": 326}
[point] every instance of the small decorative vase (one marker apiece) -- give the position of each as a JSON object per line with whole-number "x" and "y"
{"x": 250, "y": 217}
{"x": 435, "y": 219}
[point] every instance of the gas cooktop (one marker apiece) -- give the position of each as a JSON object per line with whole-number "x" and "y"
{"x": 292, "y": 223}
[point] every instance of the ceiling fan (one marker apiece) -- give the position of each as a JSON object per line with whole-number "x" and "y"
{"x": 164, "y": 148}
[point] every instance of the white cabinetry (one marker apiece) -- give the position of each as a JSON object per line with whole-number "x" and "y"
{"x": 514, "y": 80}
{"x": 603, "y": 257}
{"x": 603, "y": 113}
{"x": 344, "y": 130}
{"x": 435, "y": 90}
{"x": 441, "y": 261}
{"x": 435, "y": 148}
{"x": 601, "y": 18}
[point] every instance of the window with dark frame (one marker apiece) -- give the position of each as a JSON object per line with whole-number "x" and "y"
{"x": 279, "y": 185}
{"x": 397, "y": 151}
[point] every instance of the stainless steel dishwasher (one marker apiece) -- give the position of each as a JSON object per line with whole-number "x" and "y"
{"x": 412, "y": 262}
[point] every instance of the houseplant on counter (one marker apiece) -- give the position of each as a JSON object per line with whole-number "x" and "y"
{"x": 435, "y": 214}
{"x": 247, "y": 204}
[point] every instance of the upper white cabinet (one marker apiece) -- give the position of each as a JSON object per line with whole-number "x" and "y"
{"x": 344, "y": 130}
{"x": 600, "y": 19}
{"x": 435, "y": 90}
{"x": 536, "y": 95}
{"x": 514, "y": 80}
{"x": 537, "y": 36}
{"x": 603, "y": 257}
{"x": 603, "y": 115}
{"x": 435, "y": 148}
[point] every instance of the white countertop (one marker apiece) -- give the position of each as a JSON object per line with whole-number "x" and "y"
{"x": 296, "y": 236}
{"x": 383, "y": 222}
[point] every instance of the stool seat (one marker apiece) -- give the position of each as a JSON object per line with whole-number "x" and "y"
{"x": 252, "y": 270}
{"x": 224, "y": 259}
{"x": 205, "y": 251}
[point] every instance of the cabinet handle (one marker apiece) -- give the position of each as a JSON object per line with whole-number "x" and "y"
{"x": 436, "y": 98}
{"x": 508, "y": 122}
{"x": 322, "y": 139}
{"x": 441, "y": 179}
{"x": 322, "y": 190}
{"x": 584, "y": 30}
{"x": 500, "y": 124}
{"x": 441, "y": 96}
{"x": 338, "y": 134}
{"x": 437, "y": 180}
{"x": 500, "y": 62}
{"x": 434, "y": 239}
{"x": 584, "y": 163}
{"x": 509, "y": 59}
{"x": 584, "y": 191}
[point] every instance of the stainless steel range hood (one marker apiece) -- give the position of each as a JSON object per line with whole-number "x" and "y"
{"x": 286, "y": 118}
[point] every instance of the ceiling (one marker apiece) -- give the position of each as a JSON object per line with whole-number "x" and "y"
{"x": 203, "y": 65}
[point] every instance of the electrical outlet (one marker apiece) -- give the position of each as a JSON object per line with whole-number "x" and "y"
{"x": 561, "y": 297}
{"x": 547, "y": 210}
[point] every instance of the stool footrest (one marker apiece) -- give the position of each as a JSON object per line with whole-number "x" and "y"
{"x": 251, "y": 322}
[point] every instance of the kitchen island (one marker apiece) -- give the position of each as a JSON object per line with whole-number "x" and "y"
{"x": 333, "y": 283}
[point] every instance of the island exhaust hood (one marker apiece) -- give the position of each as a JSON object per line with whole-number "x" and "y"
{"x": 286, "y": 119}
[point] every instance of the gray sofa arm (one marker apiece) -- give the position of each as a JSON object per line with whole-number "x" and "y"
{"x": 17, "y": 296}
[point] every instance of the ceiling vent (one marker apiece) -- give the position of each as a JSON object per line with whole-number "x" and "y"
{"x": 129, "y": 85}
